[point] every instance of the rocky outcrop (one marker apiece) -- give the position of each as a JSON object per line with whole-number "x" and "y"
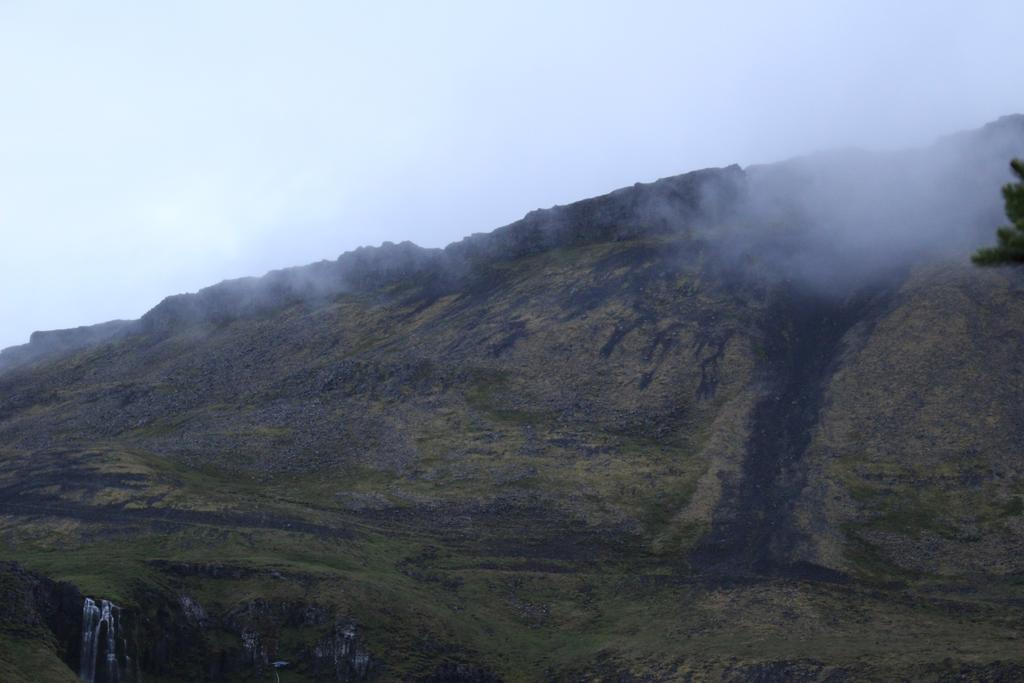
{"x": 36, "y": 605}
{"x": 341, "y": 655}
{"x": 103, "y": 642}
{"x": 214, "y": 642}
{"x": 48, "y": 345}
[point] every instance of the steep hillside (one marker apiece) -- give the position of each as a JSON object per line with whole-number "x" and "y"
{"x": 736, "y": 424}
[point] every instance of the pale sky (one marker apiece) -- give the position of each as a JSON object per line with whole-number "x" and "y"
{"x": 148, "y": 149}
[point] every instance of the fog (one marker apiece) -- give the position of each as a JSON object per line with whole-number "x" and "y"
{"x": 147, "y": 150}
{"x": 846, "y": 217}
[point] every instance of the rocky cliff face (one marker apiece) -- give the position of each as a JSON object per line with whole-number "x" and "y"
{"x": 733, "y": 424}
{"x": 57, "y": 343}
{"x": 36, "y": 607}
{"x": 103, "y": 642}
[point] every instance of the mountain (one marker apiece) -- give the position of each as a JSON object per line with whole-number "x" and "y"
{"x": 737, "y": 424}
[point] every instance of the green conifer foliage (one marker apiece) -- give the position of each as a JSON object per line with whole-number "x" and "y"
{"x": 1010, "y": 247}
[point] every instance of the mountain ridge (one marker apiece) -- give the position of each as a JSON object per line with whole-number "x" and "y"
{"x": 739, "y": 425}
{"x": 537, "y": 230}
{"x": 364, "y": 267}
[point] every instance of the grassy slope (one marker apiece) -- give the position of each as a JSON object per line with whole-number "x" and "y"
{"x": 25, "y": 660}
{"x": 513, "y": 476}
{"x": 918, "y": 454}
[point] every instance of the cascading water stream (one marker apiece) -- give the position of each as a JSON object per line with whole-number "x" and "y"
{"x": 100, "y": 629}
{"x": 90, "y": 626}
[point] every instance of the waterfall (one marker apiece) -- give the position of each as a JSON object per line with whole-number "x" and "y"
{"x": 100, "y": 630}
{"x": 90, "y": 632}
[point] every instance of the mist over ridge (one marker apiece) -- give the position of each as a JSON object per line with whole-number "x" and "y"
{"x": 133, "y": 169}
{"x": 827, "y": 220}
